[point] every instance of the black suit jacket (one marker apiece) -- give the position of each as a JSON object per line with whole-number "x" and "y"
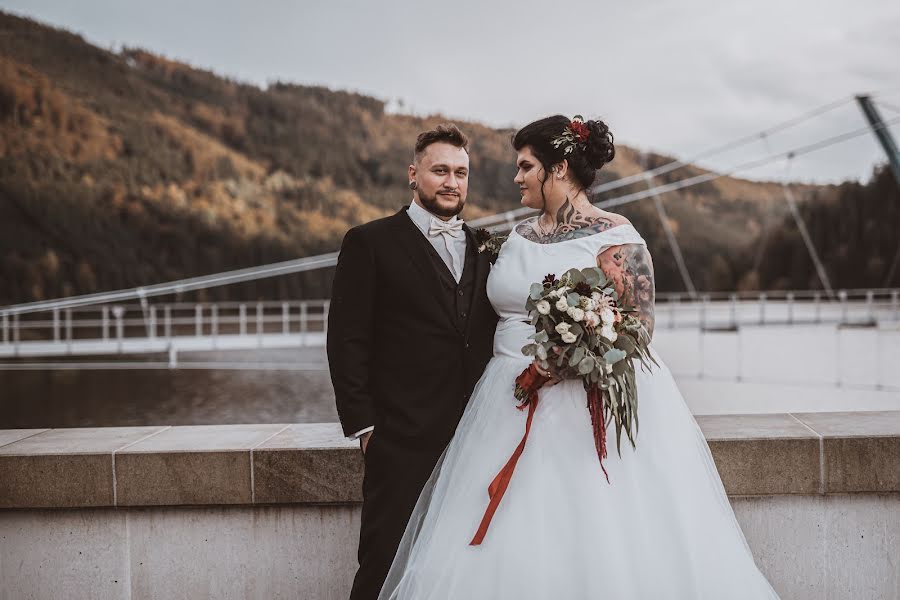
{"x": 398, "y": 361}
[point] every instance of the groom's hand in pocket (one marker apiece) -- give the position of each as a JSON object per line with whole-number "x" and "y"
{"x": 364, "y": 441}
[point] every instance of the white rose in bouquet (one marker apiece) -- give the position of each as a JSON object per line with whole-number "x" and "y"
{"x": 609, "y": 333}
{"x": 576, "y": 313}
{"x": 607, "y": 316}
{"x": 562, "y": 328}
{"x": 569, "y": 337}
{"x": 591, "y": 319}
{"x": 543, "y": 307}
{"x": 562, "y": 305}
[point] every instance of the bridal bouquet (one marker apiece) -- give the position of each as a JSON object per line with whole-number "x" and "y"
{"x": 582, "y": 332}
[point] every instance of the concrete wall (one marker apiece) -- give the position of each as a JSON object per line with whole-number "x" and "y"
{"x": 810, "y": 547}
{"x": 260, "y": 552}
{"x": 272, "y": 511}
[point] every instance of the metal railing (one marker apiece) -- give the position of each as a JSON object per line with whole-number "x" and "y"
{"x": 729, "y": 310}
{"x": 171, "y": 327}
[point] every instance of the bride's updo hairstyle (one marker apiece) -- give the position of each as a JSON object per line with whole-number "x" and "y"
{"x": 584, "y": 158}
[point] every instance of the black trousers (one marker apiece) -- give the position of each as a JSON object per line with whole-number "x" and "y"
{"x": 395, "y": 475}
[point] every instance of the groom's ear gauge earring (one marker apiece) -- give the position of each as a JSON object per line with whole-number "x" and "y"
{"x": 413, "y": 185}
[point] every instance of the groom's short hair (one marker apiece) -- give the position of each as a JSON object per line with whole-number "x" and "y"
{"x": 445, "y": 132}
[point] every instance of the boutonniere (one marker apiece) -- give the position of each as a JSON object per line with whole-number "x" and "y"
{"x": 489, "y": 242}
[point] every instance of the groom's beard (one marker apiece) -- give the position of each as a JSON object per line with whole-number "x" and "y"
{"x": 431, "y": 205}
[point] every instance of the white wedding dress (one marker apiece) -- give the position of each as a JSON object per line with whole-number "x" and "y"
{"x": 661, "y": 529}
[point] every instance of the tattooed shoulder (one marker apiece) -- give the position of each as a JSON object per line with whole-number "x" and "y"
{"x": 570, "y": 224}
{"x": 631, "y": 270}
{"x": 526, "y": 228}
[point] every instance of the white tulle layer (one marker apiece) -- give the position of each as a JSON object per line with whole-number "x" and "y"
{"x": 662, "y": 527}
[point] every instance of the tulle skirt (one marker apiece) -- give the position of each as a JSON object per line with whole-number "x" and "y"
{"x": 662, "y": 527}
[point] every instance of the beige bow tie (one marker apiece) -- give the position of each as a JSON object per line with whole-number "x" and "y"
{"x": 452, "y": 228}
{"x": 448, "y": 230}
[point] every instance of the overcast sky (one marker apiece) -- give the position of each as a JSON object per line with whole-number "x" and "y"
{"x": 671, "y": 77}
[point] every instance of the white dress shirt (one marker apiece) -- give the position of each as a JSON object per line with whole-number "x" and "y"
{"x": 451, "y": 248}
{"x": 444, "y": 243}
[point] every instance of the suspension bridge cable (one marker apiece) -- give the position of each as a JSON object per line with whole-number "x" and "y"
{"x": 804, "y": 232}
{"x": 887, "y": 105}
{"x": 677, "y": 164}
{"x": 766, "y": 217}
{"x": 711, "y": 176}
{"x": 183, "y": 285}
{"x": 670, "y": 236}
{"x": 698, "y": 179}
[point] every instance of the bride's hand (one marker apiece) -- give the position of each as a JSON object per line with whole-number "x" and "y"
{"x": 551, "y": 372}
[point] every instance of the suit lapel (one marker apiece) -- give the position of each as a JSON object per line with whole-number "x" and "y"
{"x": 413, "y": 243}
{"x": 481, "y": 265}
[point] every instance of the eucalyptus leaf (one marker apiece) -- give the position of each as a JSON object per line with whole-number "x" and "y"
{"x": 577, "y": 355}
{"x": 573, "y": 299}
{"x": 537, "y": 290}
{"x": 613, "y": 355}
{"x": 592, "y": 276}
{"x": 625, "y": 344}
{"x": 585, "y": 366}
{"x": 575, "y": 276}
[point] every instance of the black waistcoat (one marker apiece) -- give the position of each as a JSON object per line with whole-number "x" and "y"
{"x": 458, "y": 295}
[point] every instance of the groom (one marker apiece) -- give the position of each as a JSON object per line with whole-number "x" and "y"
{"x": 410, "y": 330}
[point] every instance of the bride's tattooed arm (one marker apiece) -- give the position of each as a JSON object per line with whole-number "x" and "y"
{"x": 631, "y": 269}
{"x": 570, "y": 224}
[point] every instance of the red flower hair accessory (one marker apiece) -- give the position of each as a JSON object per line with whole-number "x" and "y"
{"x": 576, "y": 134}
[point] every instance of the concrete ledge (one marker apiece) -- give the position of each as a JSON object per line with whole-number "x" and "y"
{"x": 757, "y": 455}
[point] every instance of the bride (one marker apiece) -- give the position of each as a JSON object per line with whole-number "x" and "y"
{"x": 662, "y": 527}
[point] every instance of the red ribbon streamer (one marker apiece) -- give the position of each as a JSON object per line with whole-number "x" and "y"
{"x": 528, "y": 383}
{"x": 595, "y": 407}
{"x": 501, "y": 481}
